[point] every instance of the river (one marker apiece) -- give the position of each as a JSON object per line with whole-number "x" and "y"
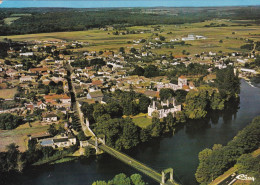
{"x": 179, "y": 151}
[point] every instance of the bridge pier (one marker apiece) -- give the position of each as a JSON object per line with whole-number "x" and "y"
{"x": 163, "y": 178}
{"x": 164, "y": 172}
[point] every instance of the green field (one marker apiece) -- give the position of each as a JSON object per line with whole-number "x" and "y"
{"x": 142, "y": 121}
{"x": 105, "y": 40}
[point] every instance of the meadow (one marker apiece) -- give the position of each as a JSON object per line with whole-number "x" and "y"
{"x": 233, "y": 35}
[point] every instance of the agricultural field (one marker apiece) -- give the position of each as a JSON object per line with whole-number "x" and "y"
{"x": 19, "y": 135}
{"x": 14, "y": 17}
{"x": 227, "y": 38}
{"x": 8, "y": 93}
{"x": 10, "y": 20}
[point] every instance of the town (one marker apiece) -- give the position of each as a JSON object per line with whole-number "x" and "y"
{"x": 57, "y": 94}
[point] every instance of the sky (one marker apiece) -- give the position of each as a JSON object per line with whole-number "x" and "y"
{"x": 124, "y": 3}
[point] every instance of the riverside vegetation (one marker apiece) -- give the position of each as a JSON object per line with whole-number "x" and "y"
{"x": 215, "y": 161}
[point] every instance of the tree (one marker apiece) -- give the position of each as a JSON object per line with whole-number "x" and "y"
{"x": 129, "y": 137}
{"x": 137, "y": 179}
{"x": 196, "y": 104}
{"x": 122, "y": 50}
{"x": 138, "y": 71}
{"x": 169, "y": 122}
{"x": 89, "y": 151}
{"x": 166, "y": 94}
{"x": 215, "y": 162}
{"x": 144, "y": 135}
{"x": 216, "y": 102}
{"x": 20, "y": 163}
{"x": 247, "y": 164}
{"x": 151, "y": 71}
{"x": 114, "y": 109}
{"x": 88, "y": 110}
{"x": 121, "y": 179}
{"x": 9, "y": 121}
{"x": 144, "y": 102}
{"x": 98, "y": 111}
{"x": 52, "y": 130}
{"x": 12, "y": 156}
{"x": 156, "y": 129}
{"x": 133, "y": 50}
{"x": 180, "y": 95}
{"x": 227, "y": 82}
{"x": 162, "y": 38}
{"x": 81, "y": 136}
{"x": 47, "y": 151}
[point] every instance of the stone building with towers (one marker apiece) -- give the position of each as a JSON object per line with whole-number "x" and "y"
{"x": 163, "y": 108}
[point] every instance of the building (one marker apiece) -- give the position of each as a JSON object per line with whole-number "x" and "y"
{"x": 26, "y": 54}
{"x": 26, "y": 79}
{"x": 193, "y": 37}
{"x": 65, "y": 99}
{"x": 163, "y": 109}
{"x": 49, "y": 117}
{"x": 96, "y": 95}
{"x": 58, "y": 142}
{"x": 182, "y": 80}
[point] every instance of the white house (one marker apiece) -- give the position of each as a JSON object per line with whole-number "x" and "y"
{"x": 27, "y": 54}
{"x": 49, "y": 117}
{"x": 58, "y": 142}
{"x": 26, "y": 79}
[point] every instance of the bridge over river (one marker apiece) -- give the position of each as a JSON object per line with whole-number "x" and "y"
{"x": 159, "y": 177}
{"x": 100, "y": 144}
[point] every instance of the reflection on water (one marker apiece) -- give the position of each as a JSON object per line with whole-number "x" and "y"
{"x": 179, "y": 151}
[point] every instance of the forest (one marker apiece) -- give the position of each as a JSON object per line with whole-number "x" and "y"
{"x": 44, "y": 20}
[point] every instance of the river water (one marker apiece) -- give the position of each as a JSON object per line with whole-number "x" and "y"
{"x": 179, "y": 151}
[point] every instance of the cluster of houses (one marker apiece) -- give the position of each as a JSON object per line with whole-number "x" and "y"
{"x": 37, "y": 78}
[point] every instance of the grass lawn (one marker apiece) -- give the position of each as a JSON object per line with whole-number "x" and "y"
{"x": 8, "y": 93}
{"x": 19, "y": 135}
{"x": 142, "y": 120}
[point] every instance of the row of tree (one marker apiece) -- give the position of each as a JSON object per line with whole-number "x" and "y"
{"x": 214, "y": 162}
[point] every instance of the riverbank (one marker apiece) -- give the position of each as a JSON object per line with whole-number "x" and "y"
{"x": 179, "y": 151}
{"x": 231, "y": 171}
{"x": 252, "y": 82}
